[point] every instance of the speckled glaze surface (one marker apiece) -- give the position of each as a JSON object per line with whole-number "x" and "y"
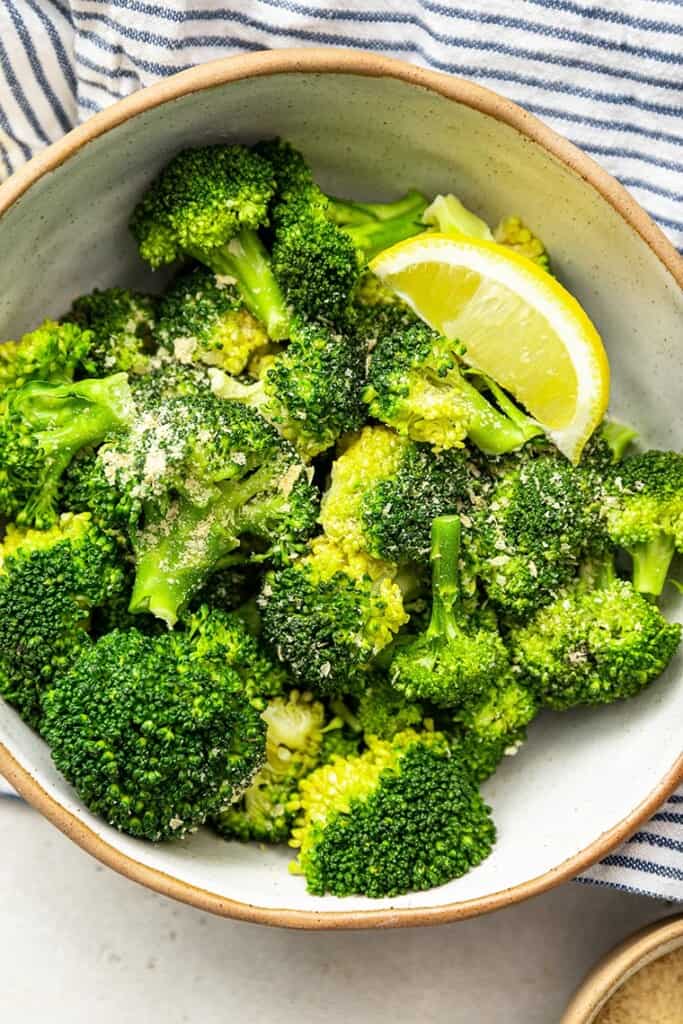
{"x": 372, "y": 127}
{"x": 620, "y": 964}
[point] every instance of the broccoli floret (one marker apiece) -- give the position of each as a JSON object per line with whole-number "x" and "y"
{"x": 202, "y": 319}
{"x": 327, "y": 615}
{"x": 122, "y": 323}
{"x": 384, "y": 712}
{"x": 458, "y": 656}
{"x": 385, "y": 490}
{"x": 529, "y": 535}
{"x": 339, "y": 741}
{"x": 208, "y": 203}
{"x": 494, "y": 725}
{"x": 208, "y": 476}
{"x": 267, "y": 810}
{"x": 86, "y": 486}
{"x": 644, "y": 514}
{"x": 51, "y": 354}
{"x": 229, "y": 588}
{"x": 42, "y": 427}
{"x": 598, "y": 642}
{"x": 416, "y": 384}
{"x": 152, "y": 738}
{"x": 517, "y": 236}
{"x": 607, "y": 446}
{"x": 50, "y": 580}
{"x": 311, "y": 392}
{"x": 225, "y": 637}
{"x": 402, "y": 817}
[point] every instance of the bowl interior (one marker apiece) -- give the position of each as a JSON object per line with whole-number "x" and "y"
{"x": 581, "y": 773}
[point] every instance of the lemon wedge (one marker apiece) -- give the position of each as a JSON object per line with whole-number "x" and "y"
{"x": 517, "y": 323}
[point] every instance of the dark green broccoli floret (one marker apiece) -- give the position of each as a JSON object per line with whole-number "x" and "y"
{"x": 607, "y": 446}
{"x": 599, "y": 641}
{"x": 229, "y": 588}
{"x": 644, "y": 514}
{"x": 494, "y": 725}
{"x": 50, "y": 353}
{"x": 122, "y": 323}
{"x": 417, "y": 385}
{"x": 384, "y": 712}
{"x": 226, "y": 637}
{"x": 385, "y": 490}
{"x": 327, "y": 615}
{"x": 311, "y": 392}
{"x": 50, "y": 580}
{"x": 402, "y": 817}
{"x": 151, "y": 737}
{"x": 202, "y": 319}
{"x": 458, "y": 656}
{"x": 339, "y": 741}
{"x": 208, "y": 203}
{"x": 267, "y": 809}
{"x": 209, "y": 475}
{"x": 86, "y": 486}
{"x": 42, "y": 427}
{"x": 538, "y": 519}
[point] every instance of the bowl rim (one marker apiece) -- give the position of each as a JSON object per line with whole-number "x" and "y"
{"x": 621, "y": 963}
{"x": 326, "y": 60}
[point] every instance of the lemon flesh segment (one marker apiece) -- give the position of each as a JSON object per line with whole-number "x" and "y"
{"x": 517, "y": 323}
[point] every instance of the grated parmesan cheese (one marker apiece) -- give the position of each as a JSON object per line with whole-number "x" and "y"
{"x": 654, "y": 995}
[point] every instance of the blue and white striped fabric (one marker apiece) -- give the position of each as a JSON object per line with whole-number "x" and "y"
{"x": 607, "y": 75}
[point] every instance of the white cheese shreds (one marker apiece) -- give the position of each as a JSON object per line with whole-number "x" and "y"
{"x": 652, "y": 996}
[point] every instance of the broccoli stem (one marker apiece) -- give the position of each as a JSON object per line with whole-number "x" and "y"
{"x": 618, "y": 436}
{"x": 651, "y": 561}
{"x": 375, "y": 236}
{"x": 445, "y": 555}
{"x": 225, "y": 386}
{"x": 598, "y": 571}
{"x": 349, "y": 212}
{"x": 246, "y": 259}
{"x": 497, "y": 431}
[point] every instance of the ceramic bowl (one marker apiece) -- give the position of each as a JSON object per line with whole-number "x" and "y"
{"x": 619, "y": 965}
{"x": 373, "y": 127}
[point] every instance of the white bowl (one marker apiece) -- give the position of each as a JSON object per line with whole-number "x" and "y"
{"x": 373, "y": 127}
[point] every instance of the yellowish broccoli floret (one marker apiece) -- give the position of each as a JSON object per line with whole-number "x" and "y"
{"x": 513, "y": 233}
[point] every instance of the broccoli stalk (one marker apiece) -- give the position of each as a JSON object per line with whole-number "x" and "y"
{"x": 455, "y": 659}
{"x": 373, "y": 227}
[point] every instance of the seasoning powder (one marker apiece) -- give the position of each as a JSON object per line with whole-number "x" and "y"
{"x": 652, "y": 996}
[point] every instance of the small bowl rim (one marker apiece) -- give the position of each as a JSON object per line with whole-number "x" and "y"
{"x": 618, "y": 965}
{"x": 326, "y": 60}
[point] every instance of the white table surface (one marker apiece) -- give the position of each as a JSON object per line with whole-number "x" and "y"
{"x": 79, "y": 944}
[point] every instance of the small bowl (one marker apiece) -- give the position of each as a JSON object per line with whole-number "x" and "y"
{"x": 616, "y": 967}
{"x": 374, "y": 127}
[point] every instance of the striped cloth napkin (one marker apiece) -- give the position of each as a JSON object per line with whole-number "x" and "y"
{"x": 607, "y": 75}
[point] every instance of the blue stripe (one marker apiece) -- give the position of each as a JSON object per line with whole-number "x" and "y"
{"x": 677, "y": 798}
{"x": 151, "y": 67}
{"x": 598, "y": 122}
{"x": 621, "y": 886}
{"x": 100, "y": 69}
{"x": 10, "y": 796}
{"x": 6, "y": 127}
{"x": 652, "y": 839}
{"x": 655, "y": 189}
{"x": 40, "y": 76}
{"x": 620, "y": 860}
{"x": 215, "y": 41}
{"x": 90, "y": 105}
{"x": 4, "y": 156}
{"x": 630, "y": 154}
{"x": 564, "y": 61}
{"x": 57, "y": 45}
{"x": 20, "y": 97}
{"x": 614, "y": 17}
{"x": 64, "y": 10}
{"x": 673, "y": 819}
{"x": 92, "y": 84}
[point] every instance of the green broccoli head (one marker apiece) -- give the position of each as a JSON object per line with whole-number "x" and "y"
{"x": 42, "y": 427}
{"x": 267, "y": 809}
{"x": 599, "y": 641}
{"x": 644, "y": 514}
{"x": 225, "y": 637}
{"x": 122, "y": 323}
{"x": 458, "y": 656}
{"x": 327, "y": 615}
{"x": 310, "y": 392}
{"x": 384, "y": 712}
{"x": 494, "y": 725}
{"x": 529, "y": 535}
{"x": 208, "y": 204}
{"x": 152, "y": 738}
{"x": 416, "y": 384}
{"x": 402, "y": 817}
{"x": 50, "y": 581}
{"x": 385, "y": 490}
{"x": 202, "y": 319}
{"x": 216, "y": 484}
{"x": 51, "y": 353}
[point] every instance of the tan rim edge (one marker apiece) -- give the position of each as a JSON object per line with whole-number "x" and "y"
{"x": 617, "y": 966}
{"x": 320, "y": 60}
